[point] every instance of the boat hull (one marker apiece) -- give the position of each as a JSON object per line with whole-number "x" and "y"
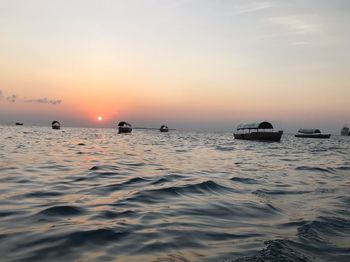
{"x": 313, "y": 135}
{"x": 124, "y": 129}
{"x": 260, "y": 136}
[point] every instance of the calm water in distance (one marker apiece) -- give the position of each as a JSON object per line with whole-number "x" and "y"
{"x": 93, "y": 195}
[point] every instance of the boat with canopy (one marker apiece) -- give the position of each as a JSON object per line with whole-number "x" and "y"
{"x": 311, "y": 133}
{"x": 124, "y": 127}
{"x": 56, "y": 125}
{"x": 261, "y": 131}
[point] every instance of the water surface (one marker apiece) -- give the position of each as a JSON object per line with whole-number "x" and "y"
{"x": 93, "y": 195}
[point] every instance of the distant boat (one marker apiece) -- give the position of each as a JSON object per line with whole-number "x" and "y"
{"x": 345, "y": 131}
{"x": 311, "y": 133}
{"x": 124, "y": 127}
{"x": 164, "y": 128}
{"x": 56, "y": 125}
{"x": 19, "y": 124}
{"x": 256, "y": 131}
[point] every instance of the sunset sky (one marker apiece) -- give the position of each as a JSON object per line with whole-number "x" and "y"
{"x": 192, "y": 64}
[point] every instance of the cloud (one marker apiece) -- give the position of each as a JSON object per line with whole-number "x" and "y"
{"x": 252, "y": 7}
{"x": 45, "y": 101}
{"x": 298, "y": 24}
{"x": 11, "y": 99}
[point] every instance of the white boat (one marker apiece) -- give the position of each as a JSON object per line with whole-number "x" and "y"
{"x": 311, "y": 133}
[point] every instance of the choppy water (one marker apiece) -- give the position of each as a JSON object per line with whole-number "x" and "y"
{"x": 94, "y": 195}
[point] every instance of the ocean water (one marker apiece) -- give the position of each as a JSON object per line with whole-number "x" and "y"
{"x": 93, "y": 195}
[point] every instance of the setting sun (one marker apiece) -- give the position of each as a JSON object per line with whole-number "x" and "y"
{"x": 99, "y": 118}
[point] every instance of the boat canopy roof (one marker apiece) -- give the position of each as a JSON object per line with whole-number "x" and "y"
{"x": 55, "y": 123}
{"x": 258, "y": 125}
{"x": 309, "y": 131}
{"x": 123, "y": 123}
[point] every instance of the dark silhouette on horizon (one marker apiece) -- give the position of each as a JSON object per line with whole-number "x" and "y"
{"x": 124, "y": 127}
{"x": 163, "y": 128}
{"x": 56, "y": 125}
{"x": 258, "y": 134}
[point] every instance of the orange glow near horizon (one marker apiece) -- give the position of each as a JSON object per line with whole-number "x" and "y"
{"x": 103, "y": 70}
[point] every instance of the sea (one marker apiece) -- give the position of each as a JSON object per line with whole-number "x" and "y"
{"x": 84, "y": 194}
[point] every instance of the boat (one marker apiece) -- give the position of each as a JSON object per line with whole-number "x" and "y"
{"x": 56, "y": 125}
{"x": 257, "y": 131}
{"x": 164, "y": 128}
{"x": 19, "y": 124}
{"x": 345, "y": 131}
{"x": 124, "y": 127}
{"x": 311, "y": 133}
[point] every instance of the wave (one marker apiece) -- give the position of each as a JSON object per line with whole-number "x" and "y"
{"x": 107, "y": 214}
{"x": 344, "y": 168}
{"x": 8, "y": 213}
{"x": 244, "y": 180}
{"x": 69, "y": 245}
{"x": 160, "y": 194}
{"x": 277, "y": 250}
{"x": 43, "y": 194}
{"x": 315, "y": 169}
{"x": 104, "y": 167}
{"x": 315, "y": 241}
{"x": 280, "y": 192}
{"x": 236, "y": 210}
{"x": 62, "y": 211}
{"x": 324, "y": 227}
{"x": 225, "y": 148}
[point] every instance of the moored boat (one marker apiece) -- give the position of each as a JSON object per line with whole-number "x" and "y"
{"x": 124, "y": 127}
{"x": 19, "y": 124}
{"x": 164, "y": 128}
{"x": 257, "y": 131}
{"x": 56, "y": 125}
{"x": 345, "y": 131}
{"x": 311, "y": 133}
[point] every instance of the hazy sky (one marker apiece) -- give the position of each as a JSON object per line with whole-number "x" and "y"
{"x": 188, "y": 63}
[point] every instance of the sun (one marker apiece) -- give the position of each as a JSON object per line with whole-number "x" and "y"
{"x": 99, "y": 118}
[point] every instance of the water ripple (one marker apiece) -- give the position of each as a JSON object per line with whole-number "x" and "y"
{"x": 94, "y": 195}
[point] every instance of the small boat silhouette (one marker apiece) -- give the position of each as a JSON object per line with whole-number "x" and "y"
{"x": 56, "y": 125}
{"x": 164, "y": 128}
{"x": 19, "y": 124}
{"x": 124, "y": 127}
{"x": 311, "y": 133}
{"x": 345, "y": 131}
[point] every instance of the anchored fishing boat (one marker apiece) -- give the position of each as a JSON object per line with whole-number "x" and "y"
{"x": 311, "y": 133}
{"x": 164, "y": 128}
{"x": 257, "y": 131}
{"x": 345, "y": 131}
{"x": 56, "y": 125}
{"x": 124, "y": 127}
